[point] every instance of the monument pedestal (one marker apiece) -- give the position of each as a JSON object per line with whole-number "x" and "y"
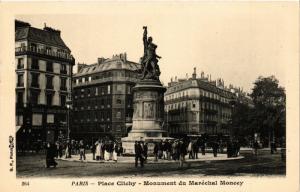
{"x": 148, "y": 115}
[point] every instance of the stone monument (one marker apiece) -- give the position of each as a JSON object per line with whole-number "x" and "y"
{"x": 148, "y": 101}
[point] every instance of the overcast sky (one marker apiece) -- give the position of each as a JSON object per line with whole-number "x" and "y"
{"x": 237, "y": 42}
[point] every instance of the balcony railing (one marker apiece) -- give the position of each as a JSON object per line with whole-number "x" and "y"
{"x": 33, "y": 49}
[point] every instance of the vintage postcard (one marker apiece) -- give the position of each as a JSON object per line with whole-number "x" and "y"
{"x": 148, "y": 96}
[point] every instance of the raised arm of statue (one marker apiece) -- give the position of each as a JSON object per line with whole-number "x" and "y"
{"x": 145, "y": 36}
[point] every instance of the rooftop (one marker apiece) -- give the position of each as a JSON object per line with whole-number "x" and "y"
{"x": 48, "y": 35}
{"x": 118, "y": 61}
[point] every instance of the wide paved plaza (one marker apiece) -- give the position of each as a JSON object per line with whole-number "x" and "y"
{"x": 248, "y": 164}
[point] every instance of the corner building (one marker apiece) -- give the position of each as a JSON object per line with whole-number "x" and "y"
{"x": 43, "y": 65}
{"x": 195, "y": 106}
{"x": 103, "y": 100}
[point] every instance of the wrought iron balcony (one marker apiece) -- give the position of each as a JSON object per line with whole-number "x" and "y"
{"x": 43, "y": 52}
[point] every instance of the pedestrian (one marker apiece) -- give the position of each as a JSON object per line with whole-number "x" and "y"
{"x": 169, "y": 149}
{"x": 182, "y": 153}
{"x": 93, "y": 150}
{"x": 215, "y": 146}
{"x": 115, "y": 152}
{"x": 145, "y": 152}
{"x": 138, "y": 149}
{"x": 68, "y": 150}
{"x": 57, "y": 149}
{"x": 98, "y": 149}
{"x": 81, "y": 147}
{"x": 155, "y": 151}
{"x": 77, "y": 148}
{"x": 106, "y": 151}
{"x": 50, "y": 154}
{"x": 102, "y": 149}
{"x": 174, "y": 150}
{"x": 190, "y": 150}
{"x": 203, "y": 147}
{"x": 195, "y": 149}
{"x": 164, "y": 150}
{"x": 229, "y": 149}
{"x": 160, "y": 150}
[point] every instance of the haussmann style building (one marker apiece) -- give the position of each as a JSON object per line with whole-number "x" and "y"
{"x": 197, "y": 105}
{"x": 43, "y": 84}
{"x": 103, "y": 97}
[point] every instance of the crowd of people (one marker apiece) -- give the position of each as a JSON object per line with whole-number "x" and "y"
{"x": 172, "y": 149}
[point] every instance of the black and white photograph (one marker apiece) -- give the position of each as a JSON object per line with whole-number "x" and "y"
{"x": 171, "y": 96}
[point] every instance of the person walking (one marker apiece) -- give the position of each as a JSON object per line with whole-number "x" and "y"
{"x": 195, "y": 149}
{"x": 190, "y": 150}
{"x": 68, "y": 150}
{"x": 169, "y": 149}
{"x": 106, "y": 151}
{"x": 138, "y": 154}
{"x": 50, "y": 154}
{"x": 81, "y": 150}
{"x": 93, "y": 150}
{"x": 215, "y": 146}
{"x": 182, "y": 153}
{"x": 115, "y": 152}
{"x": 98, "y": 149}
{"x": 203, "y": 147}
{"x": 145, "y": 152}
{"x": 160, "y": 150}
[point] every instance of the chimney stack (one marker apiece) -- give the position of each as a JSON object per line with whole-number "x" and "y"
{"x": 194, "y": 76}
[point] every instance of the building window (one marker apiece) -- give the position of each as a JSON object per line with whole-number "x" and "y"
{"x": 37, "y": 119}
{"x": 63, "y": 69}
{"x": 83, "y": 80}
{"x": 20, "y": 97}
{"x": 77, "y": 81}
{"x": 128, "y": 89}
{"x": 118, "y": 115}
{"x": 119, "y": 88}
{"x": 34, "y": 63}
{"x": 50, "y": 118}
{"x": 35, "y": 80}
{"x": 49, "y": 82}
{"x": 96, "y": 91}
{"x": 63, "y": 100}
{"x": 34, "y": 98}
{"x": 33, "y": 47}
{"x": 49, "y": 99}
{"x": 119, "y": 101}
{"x": 49, "y": 66}
{"x": 19, "y": 120}
{"x": 20, "y": 80}
{"x": 108, "y": 89}
{"x": 20, "y": 63}
{"x": 90, "y": 79}
{"x": 48, "y": 50}
{"x": 63, "y": 84}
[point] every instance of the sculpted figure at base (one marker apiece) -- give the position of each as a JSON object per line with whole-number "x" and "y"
{"x": 150, "y": 68}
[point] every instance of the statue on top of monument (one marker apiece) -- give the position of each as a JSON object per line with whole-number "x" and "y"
{"x": 150, "y": 68}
